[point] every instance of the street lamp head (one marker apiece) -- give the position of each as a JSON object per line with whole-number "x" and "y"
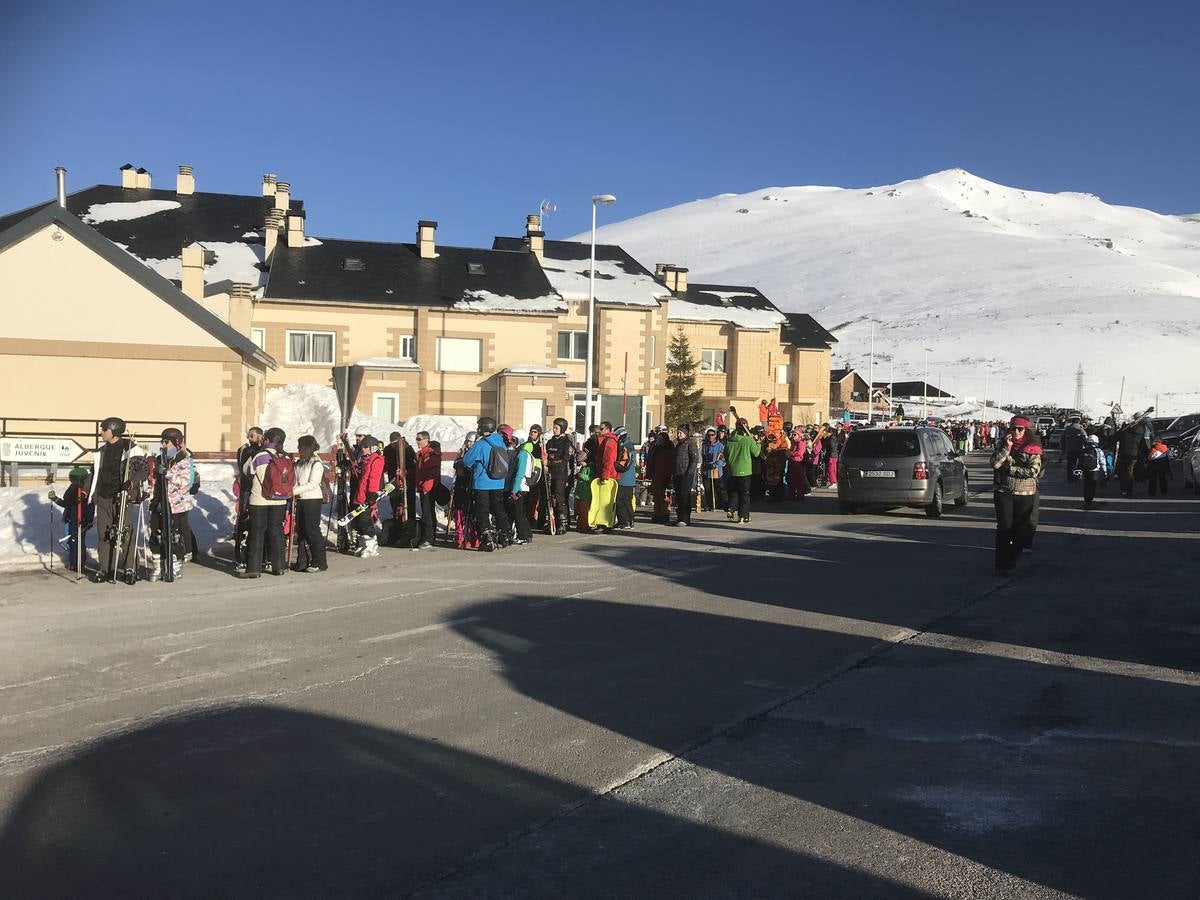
{"x": 606, "y": 199}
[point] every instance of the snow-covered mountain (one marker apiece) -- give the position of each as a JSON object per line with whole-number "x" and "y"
{"x": 1008, "y": 289}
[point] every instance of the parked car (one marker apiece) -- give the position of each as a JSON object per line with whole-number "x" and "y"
{"x": 1191, "y": 464}
{"x": 916, "y": 467}
{"x": 1043, "y": 424}
{"x": 1179, "y": 432}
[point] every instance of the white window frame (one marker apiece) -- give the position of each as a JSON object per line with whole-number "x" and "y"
{"x": 412, "y": 346}
{"x": 259, "y": 337}
{"x": 478, "y": 365}
{"x": 710, "y": 367}
{"x": 783, "y": 373}
{"x": 385, "y": 395}
{"x": 582, "y": 335}
{"x": 287, "y": 338}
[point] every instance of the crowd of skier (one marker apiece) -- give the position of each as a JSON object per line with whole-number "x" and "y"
{"x": 505, "y": 488}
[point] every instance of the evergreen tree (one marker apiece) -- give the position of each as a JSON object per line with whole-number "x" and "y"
{"x": 685, "y": 402}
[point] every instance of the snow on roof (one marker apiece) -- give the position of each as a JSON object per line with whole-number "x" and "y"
{"x": 389, "y": 362}
{"x": 614, "y": 284}
{"x": 122, "y": 211}
{"x": 233, "y": 261}
{"x": 532, "y": 369}
{"x": 684, "y": 311}
{"x": 486, "y": 301}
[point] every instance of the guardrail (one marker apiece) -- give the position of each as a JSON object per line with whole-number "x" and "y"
{"x": 84, "y": 432}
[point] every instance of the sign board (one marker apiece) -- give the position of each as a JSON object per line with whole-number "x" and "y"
{"x": 34, "y": 450}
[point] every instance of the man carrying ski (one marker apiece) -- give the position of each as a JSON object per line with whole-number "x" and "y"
{"x": 111, "y": 495}
{"x": 488, "y": 462}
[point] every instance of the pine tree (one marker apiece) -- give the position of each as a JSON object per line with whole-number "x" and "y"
{"x": 685, "y": 402}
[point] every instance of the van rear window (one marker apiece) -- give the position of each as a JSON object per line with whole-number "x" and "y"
{"x": 882, "y": 442}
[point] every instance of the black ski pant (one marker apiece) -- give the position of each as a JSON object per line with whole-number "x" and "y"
{"x": 516, "y": 506}
{"x": 1156, "y": 473}
{"x": 307, "y": 525}
{"x": 1089, "y": 488}
{"x": 714, "y": 492}
{"x": 428, "y": 519}
{"x": 685, "y": 497}
{"x": 489, "y": 504}
{"x": 739, "y": 496}
{"x": 1072, "y": 463}
{"x": 560, "y": 486}
{"x": 1125, "y": 466}
{"x": 266, "y": 528}
{"x": 106, "y": 523}
{"x": 181, "y": 535}
{"x": 625, "y": 505}
{"x": 1014, "y": 526}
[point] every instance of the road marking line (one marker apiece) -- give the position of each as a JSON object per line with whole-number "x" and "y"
{"x": 437, "y": 626}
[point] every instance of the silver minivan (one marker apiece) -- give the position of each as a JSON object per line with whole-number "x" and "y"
{"x": 889, "y": 467}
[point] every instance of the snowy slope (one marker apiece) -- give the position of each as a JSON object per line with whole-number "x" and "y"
{"x": 1015, "y": 288}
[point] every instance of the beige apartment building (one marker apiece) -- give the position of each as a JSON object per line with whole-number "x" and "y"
{"x": 437, "y": 329}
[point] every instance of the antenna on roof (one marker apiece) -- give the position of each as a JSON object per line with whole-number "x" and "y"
{"x": 545, "y": 208}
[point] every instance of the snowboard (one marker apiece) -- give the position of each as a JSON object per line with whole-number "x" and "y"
{"x": 603, "y": 506}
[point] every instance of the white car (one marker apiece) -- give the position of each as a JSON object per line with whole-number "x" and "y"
{"x": 1191, "y": 465}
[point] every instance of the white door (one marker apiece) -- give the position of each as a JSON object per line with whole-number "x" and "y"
{"x": 386, "y": 408}
{"x": 533, "y": 413}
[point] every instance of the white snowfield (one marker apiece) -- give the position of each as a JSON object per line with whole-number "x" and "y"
{"x": 1009, "y": 289}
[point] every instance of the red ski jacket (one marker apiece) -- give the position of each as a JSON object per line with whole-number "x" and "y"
{"x": 429, "y": 467}
{"x": 607, "y": 467}
{"x": 372, "y": 475}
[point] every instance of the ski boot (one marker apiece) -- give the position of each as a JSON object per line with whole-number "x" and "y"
{"x": 369, "y": 547}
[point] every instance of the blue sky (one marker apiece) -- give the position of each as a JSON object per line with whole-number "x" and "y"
{"x": 471, "y": 113}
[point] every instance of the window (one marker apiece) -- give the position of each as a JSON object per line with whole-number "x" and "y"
{"x": 783, "y": 374}
{"x": 712, "y": 360}
{"x": 459, "y": 354}
{"x": 572, "y": 345}
{"x": 653, "y": 350}
{"x": 386, "y": 407}
{"x": 310, "y": 347}
{"x": 408, "y": 346}
{"x": 259, "y": 336}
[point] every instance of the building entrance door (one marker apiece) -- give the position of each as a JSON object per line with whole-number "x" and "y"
{"x": 533, "y": 412}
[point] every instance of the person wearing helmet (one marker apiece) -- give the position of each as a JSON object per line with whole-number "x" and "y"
{"x": 488, "y": 461}
{"x": 1092, "y": 467}
{"x": 370, "y": 483}
{"x": 626, "y": 478}
{"x": 560, "y": 468}
{"x": 173, "y": 481}
{"x": 112, "y": 471}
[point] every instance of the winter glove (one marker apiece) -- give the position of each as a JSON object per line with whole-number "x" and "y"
{"x": 52, "y": 495}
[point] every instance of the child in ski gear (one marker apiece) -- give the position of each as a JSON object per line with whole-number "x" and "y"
{"x": 266, "y": 513}
{"x": 1017, "y": 464}
{"x": 1092, "y": 467}
{"x": 370, "y": 483}
{"x": 307, "y": 499}
{"x": 178, "y": 464}
{"x": 428, "y": 477}
{"x": 74, "y": 525}
{"x": 797, "y": 481}
{"x": 1158, "y": 468}
{"x": 488, "y": 489}
{"x": 112, "y": 496}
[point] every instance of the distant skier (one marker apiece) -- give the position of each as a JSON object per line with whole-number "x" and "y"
{"x": 560, "y": 466}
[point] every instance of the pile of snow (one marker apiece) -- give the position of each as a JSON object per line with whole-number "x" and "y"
{"x": 313, "y": 409}
{"x": 1009, "y": 287}
{"x": 233, "y": 261}
{"x": 973, "y": 412}
{"x": 122, "y": 211}
{"x": 448, "y": 431}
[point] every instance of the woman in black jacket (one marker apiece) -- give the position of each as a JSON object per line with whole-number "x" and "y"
{"x": 687, "y": 462}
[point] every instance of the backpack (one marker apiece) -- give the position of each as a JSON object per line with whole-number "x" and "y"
{"x": 279, "y": 478}
{"x": 624, "y": 460}
{"x": 194, "y": 483}
{"x": 500, "y": 462}
{"x": 1087, "y": 458}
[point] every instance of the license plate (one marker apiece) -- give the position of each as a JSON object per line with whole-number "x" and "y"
{"x": 879, "y": 474}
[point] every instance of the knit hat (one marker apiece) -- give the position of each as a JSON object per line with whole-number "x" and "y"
{"x": 620, "y": 431}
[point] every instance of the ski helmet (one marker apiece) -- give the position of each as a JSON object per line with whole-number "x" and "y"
{"x": 507, "y": 431}
{"x": 113, "y": 424}
{"x": 471, "y": 437}
{"x": 486, "y": 425}
{"x": 172, "y": 436}
{"x": 79, "y": 474}
{"x": 562, "y": 423}
{"x": 533, "y": 428}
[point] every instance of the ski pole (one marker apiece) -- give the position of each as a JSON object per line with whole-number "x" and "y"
{"x": 50, "y": 544}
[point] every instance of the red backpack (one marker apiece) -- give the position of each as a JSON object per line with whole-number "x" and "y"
{"x": 279, "y": 478}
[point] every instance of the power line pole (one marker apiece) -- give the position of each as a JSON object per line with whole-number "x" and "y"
{"x": 1079, "y": 389}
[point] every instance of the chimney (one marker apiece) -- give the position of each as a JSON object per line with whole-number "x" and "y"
{"x": 128, "y": 176}
{"x": 533, "y": 222}
{"x": 241, "y": 307}
{"x": 660, "y": 270}
{"x": 143, "y": 179}
{"x": 535, "y": 238}
{"x": 185, "y": 182}
{"x": 283, "y": 195}
{"x": 675, "y": 277}
{"x": 295, "y": 228}
{"x": 426, "y": 243}
{"x": 268, "y": 185}
{"x": 193, "y": 272}
{"x": 680, "y": 280}
{"x": 271, "y": 233}
{"x": 60, "y": 176}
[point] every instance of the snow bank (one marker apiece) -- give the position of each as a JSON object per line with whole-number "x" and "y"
{"x": 122, "y": 211}
{"x": 313, "y": 409}
{"x": 449, "y": 431}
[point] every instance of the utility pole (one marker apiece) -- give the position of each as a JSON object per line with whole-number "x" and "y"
{"x": 871, "y": 380}
{"x": 1079, "y": 388}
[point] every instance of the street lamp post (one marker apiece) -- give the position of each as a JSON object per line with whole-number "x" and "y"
{"x": 605, "y": 199}
{"x": 871, "y": 380}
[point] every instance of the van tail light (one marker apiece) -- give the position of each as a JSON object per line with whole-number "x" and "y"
{"x": 921, "y": 471}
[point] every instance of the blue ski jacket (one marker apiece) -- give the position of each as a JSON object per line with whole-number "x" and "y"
{"x": 477, "y": 461}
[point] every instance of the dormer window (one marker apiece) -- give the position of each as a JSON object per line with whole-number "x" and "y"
{"x": 353, "y": 264}
{"x": 475, "y": 268}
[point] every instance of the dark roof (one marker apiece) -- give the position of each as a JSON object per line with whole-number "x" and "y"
{"x": 836, "y": 375}
{"x": 577, "y": 251}
{"x": 912, "y": 389}
{"x": 148, "y": 278}
{"x": 395, "y": 273}
{"x": 802, "y": 330}
{"x": 746, "y": 297}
